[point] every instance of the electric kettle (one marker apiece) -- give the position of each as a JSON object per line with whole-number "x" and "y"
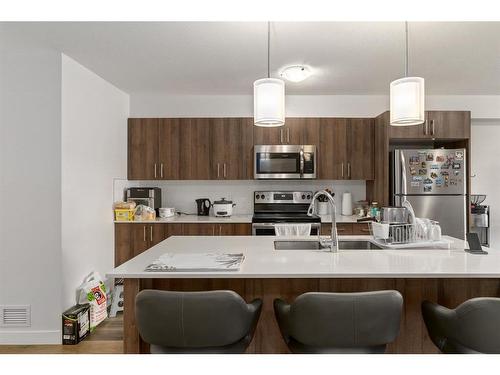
{"x": 203, "y": 206}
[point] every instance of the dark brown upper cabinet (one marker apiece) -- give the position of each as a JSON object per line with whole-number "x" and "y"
{"x": 232, "y": 148}
{"x": 195, "y": 157}
{"x": 142, "y": 161}
{"x": 437, "y": 125}
{"x": 346, "y": 149}
{"x": 296, "y": 131}
{"x": 169, "y": 146}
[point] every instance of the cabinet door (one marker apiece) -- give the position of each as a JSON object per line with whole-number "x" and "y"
{"x": 408, "y": 132}
{"x": 142, "y": 149}
{"x": 195, "y": 162}
{"x": 232, "y": 148}
{"x": 172, "y": 230}
{"x": 449, "y": 124}
{"x": 310, "y": 134}
{"x": 332, "y": 152}
{"x": 268, "y": 136}
{"x": 242, "y": 229}
{"x": 293, "y": 131}
{"x": 155, "y": 234}
{"x": 199, "y": 229}
{"x": 361, "y": 151}
{"x": 123, "y": 243}
{"x": 361, "y": 228}
{"x": 140, "y": 238}
{"x": 169, "y": 137}
{"x": 343, "y": 229}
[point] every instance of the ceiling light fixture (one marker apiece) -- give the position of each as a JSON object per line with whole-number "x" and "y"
{"x": 269, "y": 95}
{"x": 407, "y": 97}
{"x": 296, "y": 73}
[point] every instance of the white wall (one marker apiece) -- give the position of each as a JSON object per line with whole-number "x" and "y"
{"x": 94, "y": 153}
{"x": 30, "y": 187}
{"x": 485, "y": 154}
{"x": 181, "y": 194}
{"x": 162, "y": 105}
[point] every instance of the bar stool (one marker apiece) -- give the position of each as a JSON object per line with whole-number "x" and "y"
{"x": 340, "y": 322}
{"x": 473, "y": 327}
{"x": 196, "y": 322}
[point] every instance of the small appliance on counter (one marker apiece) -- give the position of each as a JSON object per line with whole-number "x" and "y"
{"x": 480, "y": 218}
{"x": 147, "y": 196}
{"x": 203, "y": 206}
{"x": 223, "y": 207}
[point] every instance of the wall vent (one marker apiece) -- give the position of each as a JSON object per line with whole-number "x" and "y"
{"x": 15, "y": 316}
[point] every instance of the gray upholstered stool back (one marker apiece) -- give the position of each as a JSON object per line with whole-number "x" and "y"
{"x": 340, "y": 322}
{"x": 196, "y": 322}
{"x": 473, "y": 327}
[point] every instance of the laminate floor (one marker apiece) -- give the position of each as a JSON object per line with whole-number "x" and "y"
{"x": 106, "y": 339}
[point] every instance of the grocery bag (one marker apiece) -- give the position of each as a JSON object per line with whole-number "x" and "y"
{"x": 93, "y": 292}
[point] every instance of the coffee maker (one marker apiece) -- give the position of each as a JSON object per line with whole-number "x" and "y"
{"x": 203, "y": 205}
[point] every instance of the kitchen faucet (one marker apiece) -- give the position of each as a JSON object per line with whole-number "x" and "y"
{"x": 333, "y": 243}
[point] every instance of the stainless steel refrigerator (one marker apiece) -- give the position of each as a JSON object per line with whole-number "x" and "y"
{"x": 434, "y": 182}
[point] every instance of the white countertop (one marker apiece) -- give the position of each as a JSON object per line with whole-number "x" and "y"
{"x": 243, "y": 218}
{"x": 262, "y": 261}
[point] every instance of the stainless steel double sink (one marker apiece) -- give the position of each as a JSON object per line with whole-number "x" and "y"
{"x": 315, "y": 245}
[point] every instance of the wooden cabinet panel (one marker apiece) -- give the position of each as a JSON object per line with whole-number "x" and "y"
{"x": 123, "y": 243}
{"x": 296, "y": 131}
{"x": 310, "y": 133}
{"x": 408, "y": 132}
{"x": 293, "y": 131}
{"x": 332, "y": 150}
{"x": 242, "y": 229}
{"x": 142, "y": 150}
{"x": 140, "y": 238}
{"x": 172, "y": 230}
{"x": 360, "y": 149}
{"x": 194, "y": 229}
{"x": 232, "y": 148}
{"x": 195, "y": 159}
{"x": 156, "y": 233}
{"x": 343, "y": 229}
{"x": 360, "y": 229}
{"x": 449, "y": 124}
{"x": 170, "y": 153}
{"x": 267, "y": 136}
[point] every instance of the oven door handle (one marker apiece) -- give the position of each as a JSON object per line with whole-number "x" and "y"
{"x": 301, "y": 162}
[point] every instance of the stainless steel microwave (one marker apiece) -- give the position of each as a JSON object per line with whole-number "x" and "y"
{"x": 285, "y": 162}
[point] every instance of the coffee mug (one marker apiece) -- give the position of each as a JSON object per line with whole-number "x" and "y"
{"x": 166, "y": 211}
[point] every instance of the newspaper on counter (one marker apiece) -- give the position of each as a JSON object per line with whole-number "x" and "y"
{"x": 197, "y": 262}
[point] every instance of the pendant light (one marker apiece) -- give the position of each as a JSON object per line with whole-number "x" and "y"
{"x": 407, "y": 97}
{"x": 269, "y": 95}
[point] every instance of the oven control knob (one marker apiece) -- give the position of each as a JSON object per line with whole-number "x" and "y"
{"x": 257, "y": 196}
{"x": 262, "y": 196}
{"x": 303, "y": 196}
{"x": 308, "y": 196}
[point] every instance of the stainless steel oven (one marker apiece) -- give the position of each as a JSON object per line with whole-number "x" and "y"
{"x": 285, "y": 162}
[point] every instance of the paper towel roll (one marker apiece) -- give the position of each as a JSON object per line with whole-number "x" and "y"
{"x": 347, "y": 204}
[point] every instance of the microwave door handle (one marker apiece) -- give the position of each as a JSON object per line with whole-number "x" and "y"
{"x": 301, "y": 163}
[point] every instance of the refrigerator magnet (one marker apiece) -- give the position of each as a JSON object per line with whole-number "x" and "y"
{"x": 414, "y": 160}
{"x": 427, "y": 188}
{"x": 413, "y": 171}
{"x": 434, "y": 175}
{"x": 434, "y": 166}
{"x": 430, "y": 157}
{"x": 422, "y": 172}
{"x": 415, "y": 184}
{"x": 417, "y": 178}
{"x": 456, "y": 165}
{"x": 456, "y": 173}
{"x": 440, "y": 158}
{"x": 459, "y": 155}
{"x": 445, "y": 166}
{"x": 428, "y": 181}
{"x": 445, "y": 173}
{"x": 439, "y": 181}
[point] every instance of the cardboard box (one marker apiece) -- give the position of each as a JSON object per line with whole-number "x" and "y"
{"x": 75, "y": 324}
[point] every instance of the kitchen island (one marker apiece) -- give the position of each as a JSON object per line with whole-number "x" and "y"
{"x": 448, "y": 277}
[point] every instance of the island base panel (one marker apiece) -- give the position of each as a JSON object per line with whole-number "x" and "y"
{"x": 412, "y": 338}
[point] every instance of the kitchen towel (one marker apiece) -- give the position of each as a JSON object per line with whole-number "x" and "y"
{"x": 292, "y": 230}
{"x": 197, "y": 262}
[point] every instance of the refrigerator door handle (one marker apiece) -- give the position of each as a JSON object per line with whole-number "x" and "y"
{"x": 403, "y": 173}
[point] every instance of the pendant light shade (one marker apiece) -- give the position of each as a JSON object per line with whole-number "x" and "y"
{"x": 407, "y": 96}
{"x": 269, "y": 95}
{"x": 269, "y": 102}
{"x": 407, "y": 101}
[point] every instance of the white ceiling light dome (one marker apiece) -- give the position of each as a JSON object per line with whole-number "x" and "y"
{"x": 407, "y": 95}
{"x": 295, "y": 73}
{"x": 269, "y": 95}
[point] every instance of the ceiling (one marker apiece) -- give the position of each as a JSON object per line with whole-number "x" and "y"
{"x": 358, "y": 58}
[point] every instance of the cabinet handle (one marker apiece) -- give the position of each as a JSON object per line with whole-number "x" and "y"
{"x": 161, "y": 170}
{"x": 155, "y": 170}
{"x": 220, "y": 230}
{"x": 151, "y": 233}
{"x": 425, "y": 127}
{"x": 349, "y": 170}
{"x": 213, "y": 230}
{"x": 225, "y": 171}
{"x": 281, "y": 136}
{"x": 288, "y": 135}
{"x": 144, "y": 232}
{"x": 432, "y": 127}
{"x": 218, "y": 170}
{"x": 342, "y": 170}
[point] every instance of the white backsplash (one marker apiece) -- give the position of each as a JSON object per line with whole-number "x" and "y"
{"x": 182, "y": 194}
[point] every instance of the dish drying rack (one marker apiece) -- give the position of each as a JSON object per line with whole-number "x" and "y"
{"x": 398, "y": 236}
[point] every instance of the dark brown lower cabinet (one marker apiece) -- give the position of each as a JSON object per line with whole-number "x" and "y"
{"x": 131, "y": 239}
{"x": 346, "y": 229}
